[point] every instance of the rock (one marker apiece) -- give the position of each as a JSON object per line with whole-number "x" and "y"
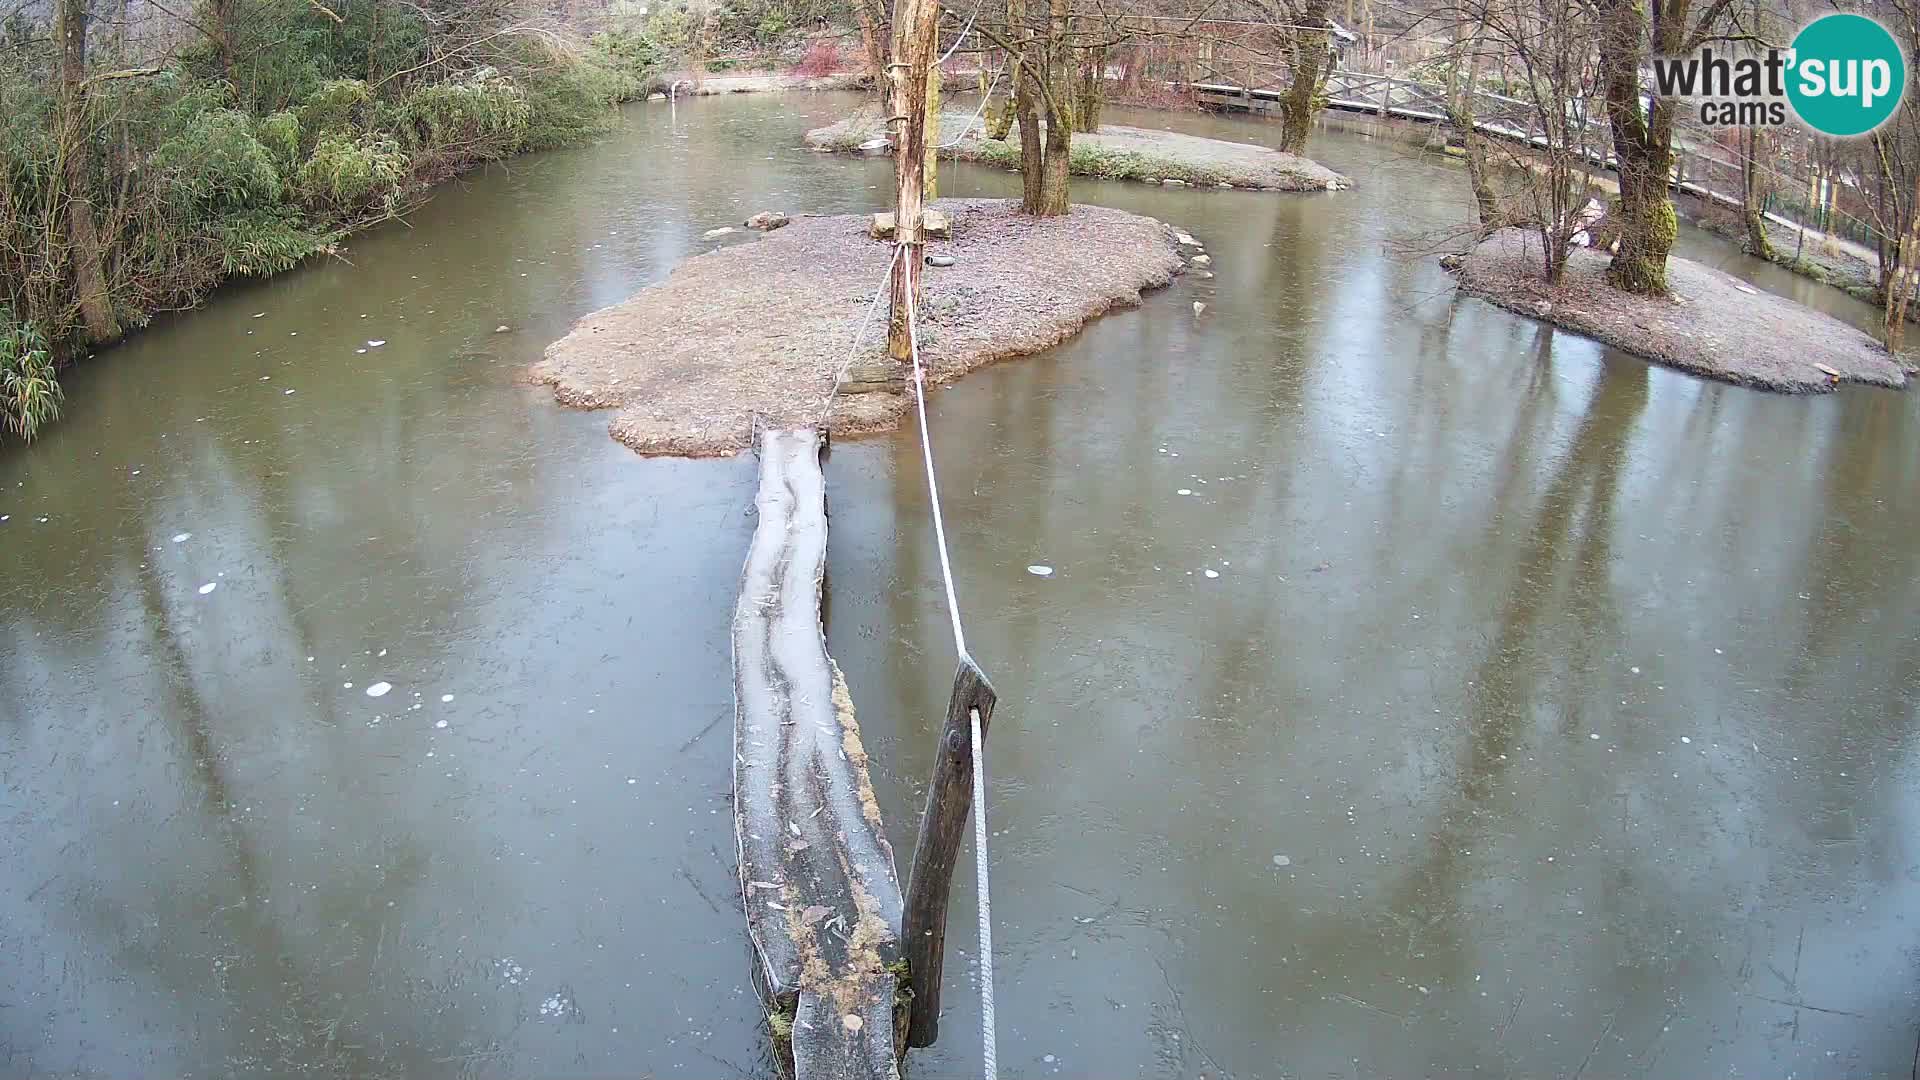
{"x": 713, "y": 233}
{"x": 874, "y": 374}
{"x": 1149, "y": 179}
{"x": 939, "y": 260}
{"x": 1173, "y": 183}
{"x": 1224, "y": 185}
{"x": 1203, "y": 275}
{"x": 1453, "y": 262}
{"x": 502, "y": 328}
{"x": 767, "y": 220}
{"x": 656, "y": 97}
{"x": 1187, "y": 239}
{"x": 1203, "y": 260}
{"x": 1333, "y": 185}
{"x": 933, "y": 224}
{"x": 875, "y": 146}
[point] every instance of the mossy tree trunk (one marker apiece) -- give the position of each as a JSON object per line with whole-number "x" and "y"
{"x": 1090, "y": 95}
{"x": 1642, "y": 141}
{"x": 1753, "y": 195}
{"x": 1460, "y": 118}
{"x": 1309, "y": 51}
{"x": 77, "y": 169}
{"x": 1029, "y": 68}
{"x": 1059, "y": 103}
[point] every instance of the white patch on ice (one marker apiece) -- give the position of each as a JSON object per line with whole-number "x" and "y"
{"x": 374, "y": 343}
{"x": 181, "y": 538}
{"x": 1184, "y": 491}
{"x": 1686, "y": 740}
{"x": 1038, "y": 570}
{"x": 209, "y": 587}
{"x": 259, "y": 314}
{"x": 286, "y": 391}
{"x": 1213, "y": 573}
{"x": 379, "y": 689}
{"x": 445, "y": 698}
{"x": 440, "y": 724}
{"x": 1635, "y": 670}
{"x": 1282, "y": 860}
{"x": 1594, "y": 735}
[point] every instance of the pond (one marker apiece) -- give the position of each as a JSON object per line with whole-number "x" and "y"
{"x": 1418, "y": 690}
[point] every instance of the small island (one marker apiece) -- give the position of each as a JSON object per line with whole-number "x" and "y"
{"x": 1112, "y": 153}
{"x": 691, "y": 364}
{"x": 1710, "y": 324}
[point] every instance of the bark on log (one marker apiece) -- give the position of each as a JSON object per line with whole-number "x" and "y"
{"x": 942, "y": 829}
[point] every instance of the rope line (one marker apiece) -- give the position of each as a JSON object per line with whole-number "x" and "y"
{"x": 968, "y": 126}
{"x": 991, "y": 1069}
{"x": 926, "y": 452}
{"x": 833, "y": 390}
{"x": 989, "y": 1051}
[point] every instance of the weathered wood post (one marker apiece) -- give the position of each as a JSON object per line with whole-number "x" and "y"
{"x": 915, "y": 36}
{"x": 942, "y": 828}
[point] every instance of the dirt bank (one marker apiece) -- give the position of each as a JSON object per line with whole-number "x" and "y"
{"x": 762, "y": 327}
{"x": 1114, "y": 153}
{"x": 1714, "y": 325}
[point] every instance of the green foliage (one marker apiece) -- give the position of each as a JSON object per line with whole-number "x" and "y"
{"x": 215, "y": 163}
{"x": 633, "y": 59}
{"x": 352, "y": 176}
{"x": 336, "y": 107}
{"x": 266, "y": 242}
{"x": 280, "y": 134}
{"x": 475, "y": 119}
{"x": 30, "y": 396}
{"x": 569, "y": 103}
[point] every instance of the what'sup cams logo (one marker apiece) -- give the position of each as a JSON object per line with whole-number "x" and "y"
{"x": 1843, "y": 75}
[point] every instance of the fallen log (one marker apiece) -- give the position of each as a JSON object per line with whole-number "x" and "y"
{"x": 817, "y": 879}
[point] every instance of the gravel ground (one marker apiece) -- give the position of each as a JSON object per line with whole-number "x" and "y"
{"x": 1114, "y": 153}
{"x": 1714, "y": 325}
{"x": 760, "y": 329}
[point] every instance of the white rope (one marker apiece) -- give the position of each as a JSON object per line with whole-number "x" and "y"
{"x": 933, "y": 485}
{"x": 991, "y": 1067}
{"x": 833, "y": 391}
{"x": 968, "y": 126}
{"x": 951, "y": 49}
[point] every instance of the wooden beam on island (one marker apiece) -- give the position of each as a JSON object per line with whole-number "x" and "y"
{"x": 817, "y": 879}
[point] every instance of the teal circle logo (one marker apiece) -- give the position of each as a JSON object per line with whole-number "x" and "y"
{"x": 1847, "y": 75}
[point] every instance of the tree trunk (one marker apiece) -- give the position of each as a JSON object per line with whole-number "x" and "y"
{"x": 930, "y": 169}
{"x": 870, "y": 17}
{"x": 1029, "y": 68}
{"x": 1059, "y": 136}
{"x": 1091, "y": 92}
{"x": 1753, "y": 193}
{"x": 915, "y": 31}
{"x": 1460, "y": 117}
{"x": 76, "y": 174}
{"x": 1309, "y": 58}
{"x": 1643, "y": 151}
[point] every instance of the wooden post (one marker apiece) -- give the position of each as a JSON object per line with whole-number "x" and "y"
{"x": 915, "y": 34}
{"x": 942, "y": 827}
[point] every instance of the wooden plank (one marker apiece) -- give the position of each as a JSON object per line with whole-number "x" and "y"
{"x": 817, "y": 878}
{"x": 943, "y": 826}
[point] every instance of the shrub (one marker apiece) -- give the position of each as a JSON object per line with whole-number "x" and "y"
{"x": 265, "y": 242}
{"x": 280, "y": 134}
{"x": 476, "y": 119}
{"x": 634, "y": 60}
{"x": 336, "y": 107}
{"x": 821, "y": 58}
{"x": 349, "y": 176}
{"x": 29, "y": 394}
{"x": 569, "y": 103}
{"x": 215, "y": 163}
